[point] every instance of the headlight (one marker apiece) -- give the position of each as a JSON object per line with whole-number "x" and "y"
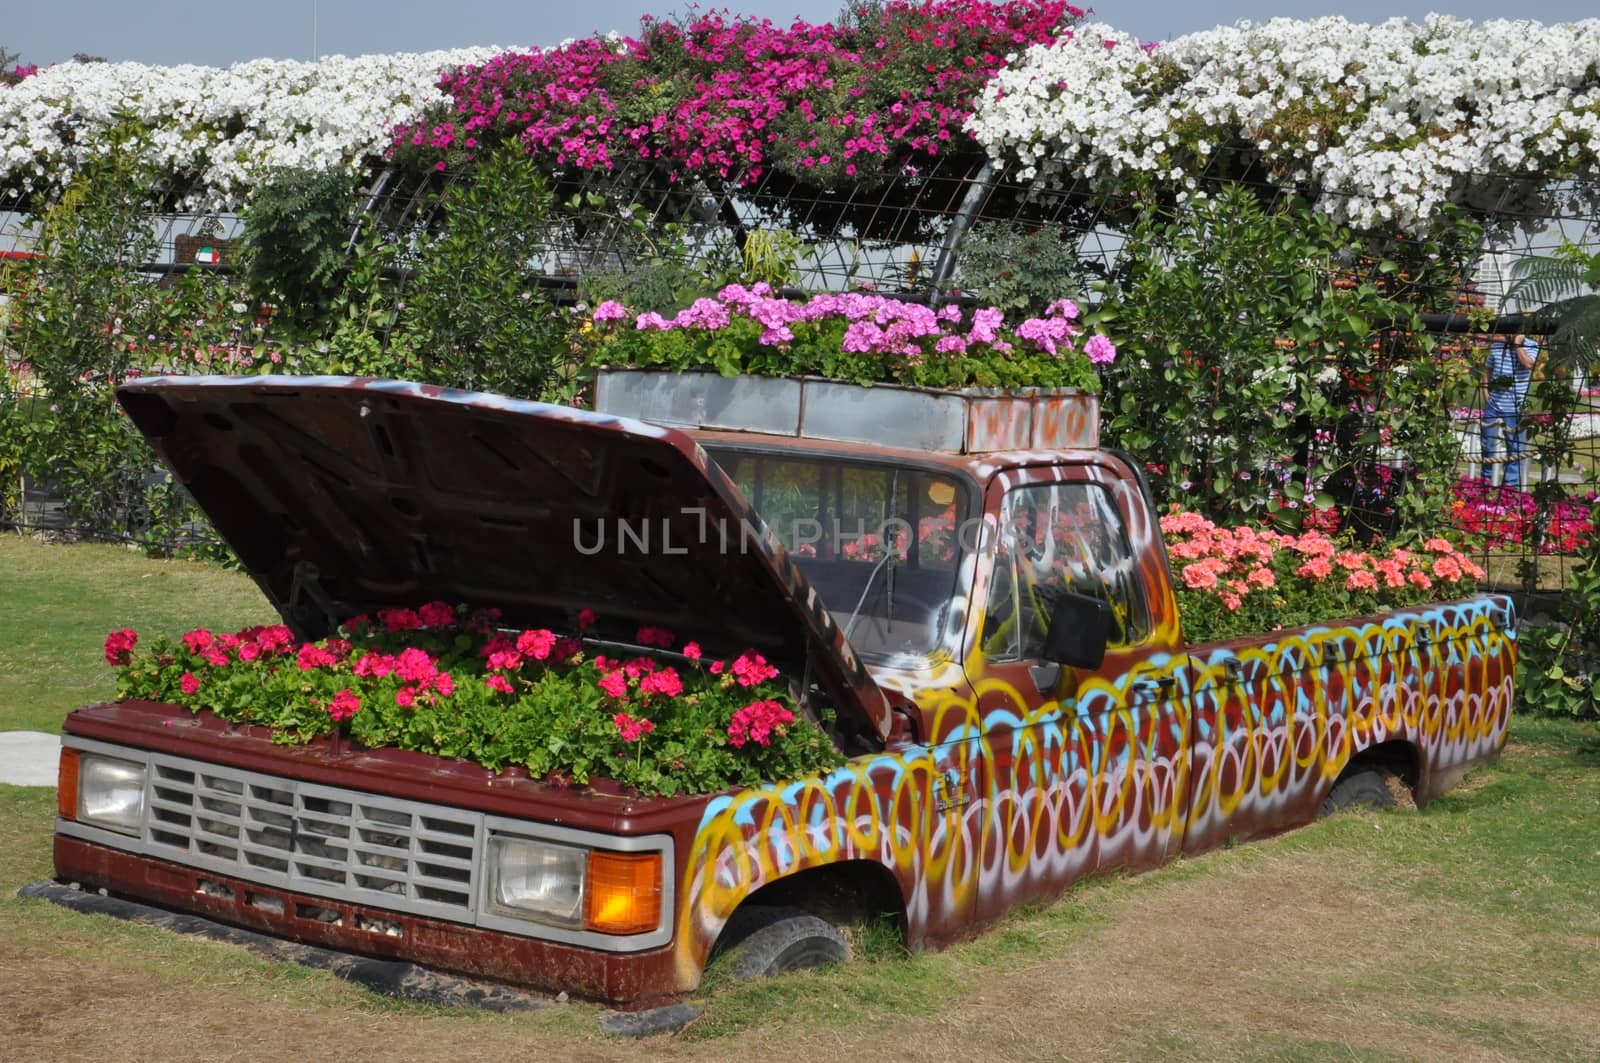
{"x": 111, "y": 793}
{"x": 538, "y": 880}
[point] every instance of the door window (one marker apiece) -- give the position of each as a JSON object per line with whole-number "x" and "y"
{"x": 1056, "y": 538}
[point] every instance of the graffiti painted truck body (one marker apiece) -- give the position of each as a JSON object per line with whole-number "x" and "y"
{"x": 980, "y": 773}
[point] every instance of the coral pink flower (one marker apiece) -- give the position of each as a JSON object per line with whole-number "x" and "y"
{"x": 1420, "y": 581}
{"x": 1361, "y": 581}
{"x": 1316, "y": 568}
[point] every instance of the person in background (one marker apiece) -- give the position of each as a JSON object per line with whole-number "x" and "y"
{"x": 1511, "y": 360}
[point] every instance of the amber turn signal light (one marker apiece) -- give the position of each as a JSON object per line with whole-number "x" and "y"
{"x": 67, "y": 785}
{"x": 622, "y": 892}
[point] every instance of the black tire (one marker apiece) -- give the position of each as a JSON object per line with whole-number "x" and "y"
{"x": 772, "y": 941}
{"x": 1363, "y": 788}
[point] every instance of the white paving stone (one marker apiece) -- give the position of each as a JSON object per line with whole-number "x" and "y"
{"x": 28, "y": 758}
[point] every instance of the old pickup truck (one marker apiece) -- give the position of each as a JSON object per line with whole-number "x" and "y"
{"x": 1007, "y": 681}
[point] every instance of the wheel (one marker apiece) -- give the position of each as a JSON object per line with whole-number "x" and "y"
{"x": 1363, "y": 788}
{"x": 771, "y": 941}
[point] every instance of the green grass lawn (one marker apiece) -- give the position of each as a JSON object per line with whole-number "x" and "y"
{"x": 58, "y": 602}
{"x": 1468, "y": 930}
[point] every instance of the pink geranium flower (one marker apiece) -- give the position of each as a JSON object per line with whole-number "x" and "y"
{"x": 614, "y": 684}
{"x": 632, "y": 728}
{"x": 344, "y": 705}
{"x": 756, "y": 723}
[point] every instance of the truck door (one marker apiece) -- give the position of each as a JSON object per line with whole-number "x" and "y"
{"x": 1091, "y": 771}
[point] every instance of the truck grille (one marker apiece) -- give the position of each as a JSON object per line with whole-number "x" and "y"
{"x": 344, "y": 844}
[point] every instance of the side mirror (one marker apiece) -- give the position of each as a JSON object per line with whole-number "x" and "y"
{"x": 1080, "y": 629}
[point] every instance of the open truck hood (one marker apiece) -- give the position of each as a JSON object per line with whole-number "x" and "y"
{"x": 342, "y": 496}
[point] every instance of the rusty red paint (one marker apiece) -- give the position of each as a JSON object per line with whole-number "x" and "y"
{"x": 630, "y": 979}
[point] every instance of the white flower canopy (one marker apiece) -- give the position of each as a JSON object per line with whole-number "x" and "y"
{"x": 1386, "y": 122}
{"x": 217, "y": 129}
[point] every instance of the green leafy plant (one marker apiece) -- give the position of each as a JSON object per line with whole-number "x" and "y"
{"x": 297, "y": 235}
{"x": 1566, "y": 285}
{"x": 473, "y": 306}
{"x": 1017, "y": 268}
{"x": 1270, "y": 369}
{"x": 80, "y": 318}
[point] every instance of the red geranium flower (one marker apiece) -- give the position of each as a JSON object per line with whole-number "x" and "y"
{"x": 119, "y": 646}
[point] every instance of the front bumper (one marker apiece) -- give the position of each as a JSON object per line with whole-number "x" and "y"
{"x": 637, "y": 979}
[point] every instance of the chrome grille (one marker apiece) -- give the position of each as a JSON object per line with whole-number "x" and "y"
{"x": 345, "y": 844}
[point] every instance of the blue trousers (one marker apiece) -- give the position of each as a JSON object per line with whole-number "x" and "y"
{"x": 1504, "y": 408}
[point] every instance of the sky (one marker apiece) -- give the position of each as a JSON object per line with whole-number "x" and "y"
{"x": 226, "y": 31}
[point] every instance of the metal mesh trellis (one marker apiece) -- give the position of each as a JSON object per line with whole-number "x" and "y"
{"x": 919, "y": 235}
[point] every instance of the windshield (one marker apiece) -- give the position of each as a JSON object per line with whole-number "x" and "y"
{"x": 877, "y": 540}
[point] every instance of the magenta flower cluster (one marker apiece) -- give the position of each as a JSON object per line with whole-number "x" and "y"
{"x": 17, "y": 74}
{"x": 875, "y": 324}
{"x": 732, "y": 96}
